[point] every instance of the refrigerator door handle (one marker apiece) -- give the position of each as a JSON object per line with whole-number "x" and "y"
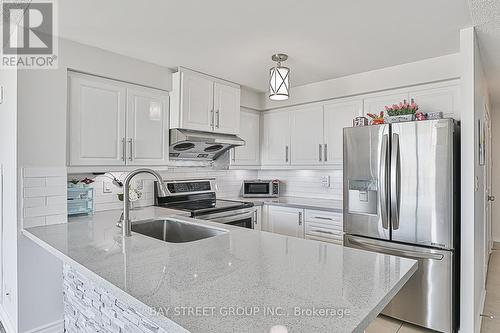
{"x": 395, "y": 181}
{"x": 383, "y": 182}
{"x": 396, "y": 252}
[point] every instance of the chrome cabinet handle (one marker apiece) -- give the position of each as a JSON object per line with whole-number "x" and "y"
{"x": 300, "y": 218}
{"x": 323, "y": 218}
{"x": 286, "y": 154}
{"x": 325, "y": 152}
{"x": 217, "y": 114}
{"x": 212, "y": 119}
{"x": 395, "y": 181}
{"x": 383, "y": 182}
{"x": 320, "y": 153}
{"x": 131, "y": 143}
{"x": 324, "y": 231}
{"x": 124, "y": 150}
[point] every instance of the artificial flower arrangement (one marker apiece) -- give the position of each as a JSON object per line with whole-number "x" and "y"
{"x": 376, "y": 119}
{"x": 133, "y": 194}
{"x": 404, "y": 108}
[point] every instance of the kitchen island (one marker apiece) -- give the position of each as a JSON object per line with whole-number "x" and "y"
{"x": 240, "y": 281}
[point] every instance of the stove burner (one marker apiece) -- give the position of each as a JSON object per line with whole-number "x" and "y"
{"x": 213, "y": 148}
{"x": 184, "y": 146}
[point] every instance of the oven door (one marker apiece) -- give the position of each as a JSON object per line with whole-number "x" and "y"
{"x": 245, "y": 218}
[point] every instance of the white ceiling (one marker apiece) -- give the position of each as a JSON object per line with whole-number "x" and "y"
{"x": 486, "y": 18}
{"x": 234, "y": 39}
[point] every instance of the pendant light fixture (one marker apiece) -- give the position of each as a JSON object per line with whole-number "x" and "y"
{"x": 279, "y": 87}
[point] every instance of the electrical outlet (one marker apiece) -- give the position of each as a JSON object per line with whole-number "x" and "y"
{"x": 325, "y": 181}
{"x": 107, "y": 187}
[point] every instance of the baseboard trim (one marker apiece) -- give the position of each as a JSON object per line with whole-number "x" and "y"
{"x": 6, "y": 322}
{"x": 54, "y": 327}
{"x": 481, "y": 310}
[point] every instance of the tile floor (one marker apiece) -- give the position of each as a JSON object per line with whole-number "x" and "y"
{"x": 383, "y": 324}
{"x": 492, "y": 302}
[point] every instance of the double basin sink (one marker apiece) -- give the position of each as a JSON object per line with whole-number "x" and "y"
{"x": 173, "y": 231}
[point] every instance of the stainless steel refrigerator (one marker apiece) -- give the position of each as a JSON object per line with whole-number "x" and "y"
{"x": 400, "y": 197}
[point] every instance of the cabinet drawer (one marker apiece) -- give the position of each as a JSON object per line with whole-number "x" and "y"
{"x": 338, "y": 241}
{"x": 323, "y": 230}
{"x": 323, "y": 217}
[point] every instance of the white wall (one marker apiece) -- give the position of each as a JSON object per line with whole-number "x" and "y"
{"x": 8, "y": 194}
{"x": 41, "y": 141}
{"x": 474, "y": 95}
{"x": 495, "y": 221}
{"x": 425, "y": 71}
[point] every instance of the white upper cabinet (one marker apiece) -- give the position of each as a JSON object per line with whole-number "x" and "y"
{"x": 249, "y": 154}
{"x": 204, "y": 103}
{"x": 147, "y": 127}
{"x": 307, "y": 135}
{"x": 375, "y": 104}
{"x": 276, "y": 138}
{"x": 336, "y": 117}
{"x": 440, "y": 99}
{"x": 227, "y": 108}
{"x": 96, "y": 121}
{"x": 197, "y": 102}
{"x": 114, "y": 123}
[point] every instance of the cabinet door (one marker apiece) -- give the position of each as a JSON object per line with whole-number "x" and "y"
{"x": 306, "y": 129}
{"x": 249, "y": 154}
{"x": 97, "y": 121}
{"x": 276, "y": 138}
{"x": 337, "y": 116}
{"x": 227, "y": 109}
{"x": 197, "y": 102}
{"x": 147, "y": 127}
{"x": 286, "y": 221}
{"x": 444, "y": 99}
{"x": 376, "y": 104}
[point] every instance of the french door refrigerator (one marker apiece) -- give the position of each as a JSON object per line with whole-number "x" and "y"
{"x": 400, "y": 198}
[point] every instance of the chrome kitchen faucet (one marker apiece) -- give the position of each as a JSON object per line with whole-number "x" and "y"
{"x": 162, "y": 192}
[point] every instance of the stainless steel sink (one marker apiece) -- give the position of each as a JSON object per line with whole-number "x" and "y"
{"x": 173, "y": 231}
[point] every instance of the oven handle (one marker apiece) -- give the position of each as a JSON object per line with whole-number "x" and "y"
{"x": 230, "y": 217}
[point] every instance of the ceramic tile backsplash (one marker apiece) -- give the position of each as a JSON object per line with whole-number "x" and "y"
{"x": 306, "y": 183}
{"x": 44, "y": 196}
{"x": 297, "y": 183}
{"x": 229, "y": 184}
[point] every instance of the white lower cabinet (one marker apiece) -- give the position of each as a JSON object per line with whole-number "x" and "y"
{"x": 324, "y": 226}
{"x": 311, "y": 224}
{"x": 286, "y": 221}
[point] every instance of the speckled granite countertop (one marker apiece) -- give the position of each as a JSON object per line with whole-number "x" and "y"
{"x": 238, "y": 278}
{"x": 298, "y": 202}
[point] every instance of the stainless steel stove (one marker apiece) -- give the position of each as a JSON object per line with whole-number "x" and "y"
{"x": 198, "y": 197}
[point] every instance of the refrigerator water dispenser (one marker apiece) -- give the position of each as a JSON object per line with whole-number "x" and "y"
{"x": 363, "y": 196}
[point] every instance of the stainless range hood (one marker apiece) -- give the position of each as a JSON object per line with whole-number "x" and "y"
{"x": 201, "y": 146}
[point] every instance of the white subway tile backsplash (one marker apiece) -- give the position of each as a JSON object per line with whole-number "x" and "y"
{"x": 34, "y": 202}
{"x": 34, "y": 182}
{"x": 57, "y": 181}
{"x": 57, "y": 200}
{"x": 44, "y": 191}
{"x": 45, "y": 210}
{"x": 44, "y": 196}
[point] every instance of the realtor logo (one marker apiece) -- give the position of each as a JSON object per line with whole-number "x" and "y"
{"x": 28, "y": 30}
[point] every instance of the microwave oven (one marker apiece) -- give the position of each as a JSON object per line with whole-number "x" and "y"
{"x": 261, "y": 188}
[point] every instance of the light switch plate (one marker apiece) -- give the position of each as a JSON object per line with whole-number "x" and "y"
{"x": 325, "y": 181}
{"x": 107, "y": 187}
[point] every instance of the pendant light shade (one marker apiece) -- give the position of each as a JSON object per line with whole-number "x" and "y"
{"x": 279, "y": 87}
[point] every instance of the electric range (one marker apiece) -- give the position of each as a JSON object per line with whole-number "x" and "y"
{"x": 198, "y": 197}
